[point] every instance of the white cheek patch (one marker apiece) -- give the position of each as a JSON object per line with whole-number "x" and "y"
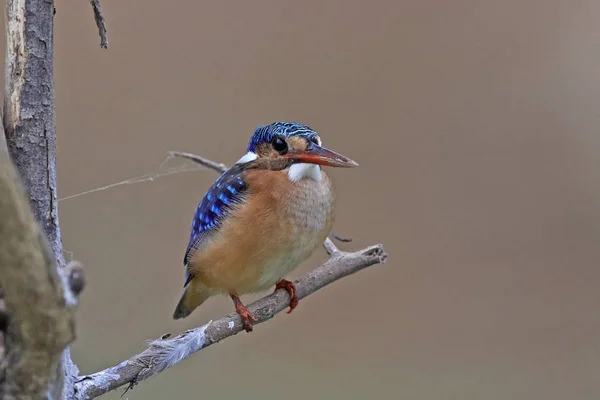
{"x": 249, "y": 156}
{"x": 299, "y": 171}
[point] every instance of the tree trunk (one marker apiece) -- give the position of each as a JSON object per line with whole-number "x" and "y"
{"x": 37, "y": 359}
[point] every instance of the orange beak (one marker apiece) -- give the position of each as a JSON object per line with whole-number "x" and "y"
{"x": 315, "y": 154}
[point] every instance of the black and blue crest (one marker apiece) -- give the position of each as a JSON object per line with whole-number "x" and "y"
{"x": 264, "y": 134}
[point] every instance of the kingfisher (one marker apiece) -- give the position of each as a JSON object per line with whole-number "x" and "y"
{"x": 260, "y": 219}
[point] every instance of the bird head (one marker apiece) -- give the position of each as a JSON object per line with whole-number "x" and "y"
{"x": 283, "y": 144}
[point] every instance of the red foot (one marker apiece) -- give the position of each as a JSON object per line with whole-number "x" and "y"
{"x": 291, "y": 289}
{"x": 243, "y": 312}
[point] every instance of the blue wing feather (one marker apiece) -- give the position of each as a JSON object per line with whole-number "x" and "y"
{"x": 231, "y": 188}
{"x": 228, "y": 190}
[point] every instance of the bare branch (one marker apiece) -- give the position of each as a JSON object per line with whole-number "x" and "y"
{"x": 100, "y": 22}
{"x": 330, "y": 247}
{"x": 33, "y": 294}
{"x": 219, "y": 167}
{"x": 338, "y": 238}
{"x": 165, "y": 352}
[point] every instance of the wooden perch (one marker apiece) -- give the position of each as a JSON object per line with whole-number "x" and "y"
{"x": 166, "y": 351}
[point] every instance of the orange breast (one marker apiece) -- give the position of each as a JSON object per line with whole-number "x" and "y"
{"x": 262, "y": 240}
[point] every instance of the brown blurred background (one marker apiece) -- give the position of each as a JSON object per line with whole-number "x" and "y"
{"x": 475, "y": 124}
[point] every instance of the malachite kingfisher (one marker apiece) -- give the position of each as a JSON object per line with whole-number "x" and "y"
{"x": 261, "y": 218}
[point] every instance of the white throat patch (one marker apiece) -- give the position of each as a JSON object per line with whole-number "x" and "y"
{"x": 299, "y": 171}
{"x": 249, "y": 156}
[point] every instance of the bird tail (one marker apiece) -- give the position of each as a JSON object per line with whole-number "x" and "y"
{"x": 193, "y": 296}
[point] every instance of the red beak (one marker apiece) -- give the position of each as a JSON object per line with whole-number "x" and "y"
{"x": 315, "y": 154}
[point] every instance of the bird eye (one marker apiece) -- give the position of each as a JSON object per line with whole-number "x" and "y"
{"x": 280, "y": 145}
{"x": 315, "y": 141}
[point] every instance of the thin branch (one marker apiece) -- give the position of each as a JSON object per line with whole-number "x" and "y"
{"x": 219, "y": 167}
{"x": 339, "y": 238}
{"x": 100, "y": 22}
{"x": 165, "y": 352}
{"x": 330, "y": 247}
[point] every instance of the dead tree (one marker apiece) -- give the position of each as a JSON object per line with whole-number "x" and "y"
{"x": 39, "y": 289}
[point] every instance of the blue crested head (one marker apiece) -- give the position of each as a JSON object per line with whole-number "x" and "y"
{"x": 265, "y": 134}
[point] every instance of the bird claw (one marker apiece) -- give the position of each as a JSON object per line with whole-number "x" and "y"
{"x": 244, "y": 313}
{"x": 291, "y": 289}
{"x": 247, "y": 319}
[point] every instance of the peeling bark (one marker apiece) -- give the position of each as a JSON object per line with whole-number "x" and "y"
{"x": 29, "y": 124}
{"x": 29, "y": 121}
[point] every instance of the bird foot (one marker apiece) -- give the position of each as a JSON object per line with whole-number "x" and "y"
{"x": 291, "y": 289}
{"x": 242, "y": 311}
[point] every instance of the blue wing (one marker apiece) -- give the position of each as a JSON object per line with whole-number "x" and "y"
{"x": 228, "y": 190}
